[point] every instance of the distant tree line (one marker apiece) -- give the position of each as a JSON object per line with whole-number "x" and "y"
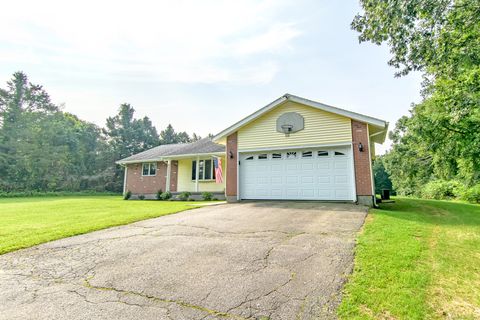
{"x": 436, "y": 148}
{"x": 43, "y": 148}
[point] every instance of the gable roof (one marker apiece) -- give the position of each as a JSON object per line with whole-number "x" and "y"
{"x": 203, "y": 146}
{"x": 380, "y": 124}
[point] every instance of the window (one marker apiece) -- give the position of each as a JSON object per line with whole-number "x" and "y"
{"x": 322, "y": 153}
{"x": 249, "y": 158}
{"x": 307, "y": 154}
{"x": 149, "y": 169}
{"x": 291, "y": 155}
{"x": 262, "y": 156}
{"x": 276, "y": 156}
{"x": 206, "y": 171}
{"x": 338, "y": 153}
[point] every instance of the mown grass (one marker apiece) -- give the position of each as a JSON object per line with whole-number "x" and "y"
{"x": 25, "y": 222}
{"x": 416, "y": 259}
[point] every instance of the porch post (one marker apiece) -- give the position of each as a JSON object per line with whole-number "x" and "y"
{"x": 125, "y": 179}
{"x": 196, "y": 173}
{"x": 167, "y": 182}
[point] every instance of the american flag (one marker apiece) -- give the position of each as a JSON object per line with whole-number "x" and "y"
{"x": 217, "y": 162}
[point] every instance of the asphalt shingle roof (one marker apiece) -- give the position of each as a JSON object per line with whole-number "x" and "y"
{"x": 202, "y": 146}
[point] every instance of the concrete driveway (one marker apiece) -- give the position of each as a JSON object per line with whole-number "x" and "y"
{"x": 259, "y": 260}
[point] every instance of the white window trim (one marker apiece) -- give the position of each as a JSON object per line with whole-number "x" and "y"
{"x": 149, "y": 169}
{"x": 197, "y": 174}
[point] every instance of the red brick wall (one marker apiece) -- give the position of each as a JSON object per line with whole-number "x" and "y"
{"x": 231, "y": 183}
{"x": 138, "y": 184}
{"x": 363, "y": 178}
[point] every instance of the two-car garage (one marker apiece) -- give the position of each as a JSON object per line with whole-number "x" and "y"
{"x": 299, "y": 174}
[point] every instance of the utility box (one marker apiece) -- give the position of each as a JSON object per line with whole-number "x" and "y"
{"x": 385, "y": 194}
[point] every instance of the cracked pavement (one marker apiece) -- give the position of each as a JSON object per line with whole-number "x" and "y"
{"x": 257, "y": 260}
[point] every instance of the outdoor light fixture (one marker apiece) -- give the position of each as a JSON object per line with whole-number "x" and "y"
{"x": 287, "y": 128}
{"x": 230, "y": 154}
{"x": 360, "y": 147}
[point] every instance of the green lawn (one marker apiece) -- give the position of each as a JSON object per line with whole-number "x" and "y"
{"x": 25, "y": 222}
{"x": 416, "y": 259}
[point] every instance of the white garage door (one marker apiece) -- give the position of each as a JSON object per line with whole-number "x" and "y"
{"x": 311, "y": 174}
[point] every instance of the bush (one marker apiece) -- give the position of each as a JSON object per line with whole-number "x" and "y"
{"x": 442, "y": 189}
{"x": 141, "y": 197}
{"x": 191, "y": 199}
{"x": 127, "y": 195}
{"x": 471, "y": 194}
{"x": 158, "y": 196}
{"x": 184, "y": 196}
{"x": 165, "y": 195}
{"x": 207, "y": 196}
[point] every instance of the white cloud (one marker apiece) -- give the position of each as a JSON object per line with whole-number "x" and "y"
{"x": 170, "y": 41}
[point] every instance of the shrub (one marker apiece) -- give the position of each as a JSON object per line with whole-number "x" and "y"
{"x": 165, "y": 195}
{"x": 191, "y": 199}
{"x": 442, "y": 189}
{"x": 471, "y": 194}
{"x": 158, "y": 196}
{"x": 141, "y": 197}
{"x": 207, "y": 196}
{"x": 127, "y": 195}
{"x": 184, "y": 196}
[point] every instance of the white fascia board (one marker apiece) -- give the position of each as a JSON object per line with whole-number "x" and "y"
{"x": 183, "y": 156}
{"x": 250, "y": 118}
{"x": 349, "y": 114}
{"x": 164, "y": 158}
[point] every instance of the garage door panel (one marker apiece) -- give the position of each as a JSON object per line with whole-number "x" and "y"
{"x": 341, "y": 179}
{"x": 324, "y": 165}
{"x": 307, "y": 179}
{"x": 276, "y": 180}
{"x": 277, "y": 193}
{"x": 340, "y": 164}
{"x": 307, "y": 166}
{"x": 293, "y": 193}
{"x": 324, "y": 179}
{"x": 290, "y": 175}
{"x": 276, "y": 167}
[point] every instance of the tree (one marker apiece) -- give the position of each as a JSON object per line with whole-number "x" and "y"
{"x": 441, "y": 137}
{"x": 382, "y": 178}
{"x": 45, "y": 149}
{"x": 126, "y": 136}
{"x": 169, "y": 136}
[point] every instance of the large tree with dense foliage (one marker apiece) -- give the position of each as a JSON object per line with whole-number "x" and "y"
{"x": 440, "y": 139}
{"x": 43, "y": 148}
{"x": 126, "y": 136}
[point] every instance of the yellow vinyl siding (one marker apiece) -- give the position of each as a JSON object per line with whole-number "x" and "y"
{"x": 321, "y": 127}
{"x": 185, "y": 183}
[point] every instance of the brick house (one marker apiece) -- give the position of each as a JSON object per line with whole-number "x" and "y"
{"x": 291, "y": 149}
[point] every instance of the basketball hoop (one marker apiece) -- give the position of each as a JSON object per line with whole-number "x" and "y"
{"x": 287, "y": 128}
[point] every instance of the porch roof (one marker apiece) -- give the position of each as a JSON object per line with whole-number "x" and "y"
{"x": 203, "y": 146}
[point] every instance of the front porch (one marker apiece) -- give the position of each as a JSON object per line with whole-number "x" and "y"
{"x": 177, "y": 168}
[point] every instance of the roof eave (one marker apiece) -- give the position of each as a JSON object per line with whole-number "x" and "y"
{"x": 250, "y": 118}
{"x": 172, "y": 157}
{"x": 349, "y": 114}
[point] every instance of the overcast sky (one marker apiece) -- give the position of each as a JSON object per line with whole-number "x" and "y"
{"x": 199, "y": 65}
